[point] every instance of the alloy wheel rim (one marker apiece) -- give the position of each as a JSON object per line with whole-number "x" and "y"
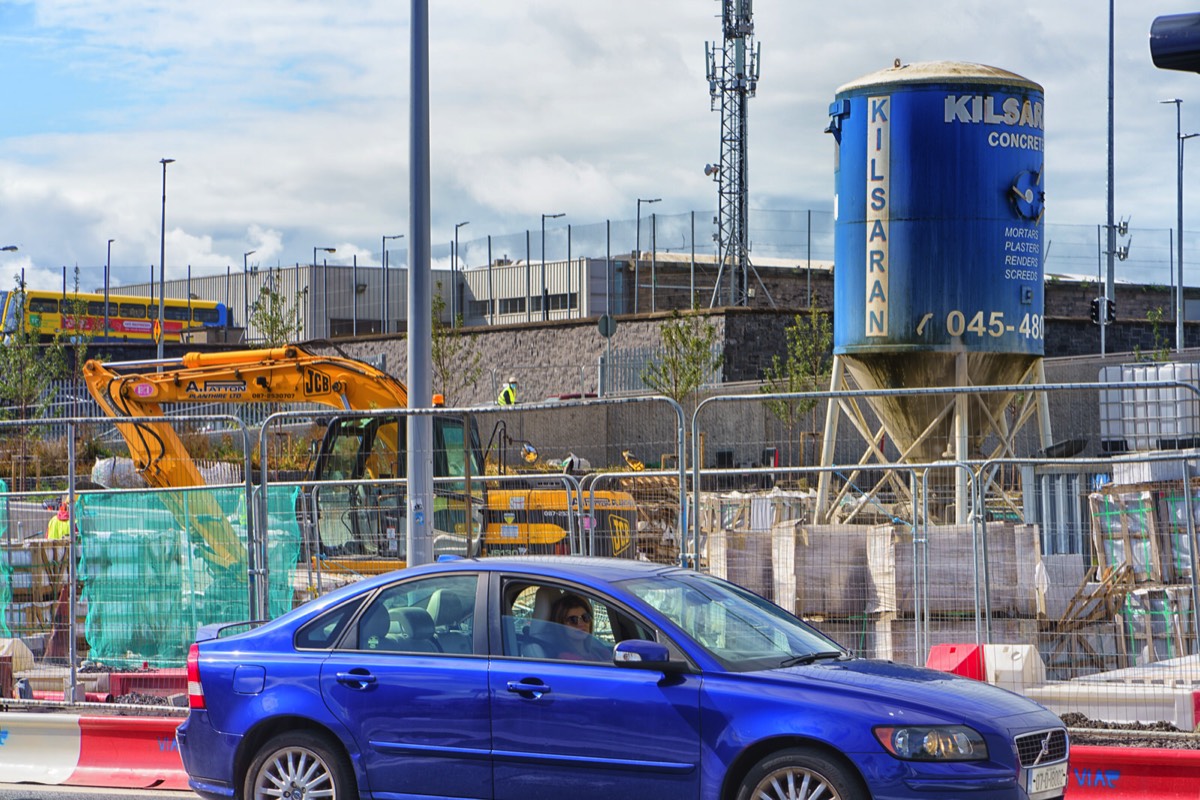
{"x": 295, "y": 774}
{"x": 794, "y": 783}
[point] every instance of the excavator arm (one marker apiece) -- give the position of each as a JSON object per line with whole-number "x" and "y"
{"x": 137, "y": 389}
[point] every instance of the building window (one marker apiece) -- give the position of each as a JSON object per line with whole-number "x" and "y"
{"x": 512, "y": 305}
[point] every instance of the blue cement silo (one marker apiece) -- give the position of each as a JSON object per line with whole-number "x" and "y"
{"x": 939, "y": 241}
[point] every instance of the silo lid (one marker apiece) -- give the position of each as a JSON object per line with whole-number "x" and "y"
{"x": 939, "y": 72}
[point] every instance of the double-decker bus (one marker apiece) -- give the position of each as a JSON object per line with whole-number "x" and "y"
{"x": 130, "y": 319}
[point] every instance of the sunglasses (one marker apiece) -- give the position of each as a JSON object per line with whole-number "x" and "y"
{"x": 578, "y": 619}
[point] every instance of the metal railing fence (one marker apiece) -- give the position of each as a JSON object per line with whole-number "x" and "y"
{"x": 1074, "y": 568}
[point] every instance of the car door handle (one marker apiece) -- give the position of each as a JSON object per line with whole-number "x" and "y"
{"x": 356, "y": 679}
{"x": 528, "y": 688}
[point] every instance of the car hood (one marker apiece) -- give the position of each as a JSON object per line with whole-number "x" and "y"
{"x": 941, "y": 693}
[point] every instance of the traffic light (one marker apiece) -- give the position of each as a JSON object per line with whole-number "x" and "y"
{"x": 1110, "y": 312}
{"x": 1175, "y": 42}
{"x": 1096, "y": 310}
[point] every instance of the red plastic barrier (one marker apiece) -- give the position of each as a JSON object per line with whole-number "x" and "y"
{"x": 960, "y": 659}
{"x": 162, "y": 682}
{"x": 1152, "y": 773}
{"x": 91, "y": 697}
{"x": 130, "y": 753}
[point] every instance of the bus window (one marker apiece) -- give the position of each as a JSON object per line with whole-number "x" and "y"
{"x": 132, "y": 311}
{"x": 176, "y": 313}
{"x": 95, "y": 309}
{"x": 43, "y": 305}
{"x": 206, "y": 316}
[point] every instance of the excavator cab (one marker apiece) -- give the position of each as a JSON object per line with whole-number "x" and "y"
{"x": 360, "y": 503}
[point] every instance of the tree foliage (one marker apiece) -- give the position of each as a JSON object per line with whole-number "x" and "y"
{"x": 689, "y": 356}
{"x": 28, "y": 370}
{"x": 804, "y": 367}
{"x": 456, "y": 360}
{"x": 278, "y": 320}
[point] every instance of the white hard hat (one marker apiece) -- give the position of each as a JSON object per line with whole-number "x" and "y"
{"x": 512, "y": 378}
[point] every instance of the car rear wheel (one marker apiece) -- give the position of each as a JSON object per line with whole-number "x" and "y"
{"x": 299, "y": 766}
{"x": 800, "y": 774}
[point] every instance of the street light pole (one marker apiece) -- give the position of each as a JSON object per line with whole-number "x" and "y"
{"x": 384, "y": 323}
{"x": 246, "y": 287}
{"x": 325, "y": 291}
{"x": 107, "y": 280}
{"x": 162, "y": 260}
{"x": 545, "y": 291}
{"x": 454, "y": 278}
{"x": 637, "y": 255}
{"x": 1180, "y": 139}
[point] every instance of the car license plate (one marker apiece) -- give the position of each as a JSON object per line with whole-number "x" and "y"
{"x": 1046, "y": 780}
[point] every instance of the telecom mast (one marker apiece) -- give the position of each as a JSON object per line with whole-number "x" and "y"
{"x": 732, "y": 81}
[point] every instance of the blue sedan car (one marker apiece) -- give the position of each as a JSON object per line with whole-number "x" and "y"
{"x": 588, "y": 679}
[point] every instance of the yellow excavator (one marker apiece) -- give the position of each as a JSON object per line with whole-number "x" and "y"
{"x": 356, "y": 463}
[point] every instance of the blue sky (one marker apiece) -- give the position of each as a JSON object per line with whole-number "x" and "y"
{"x": 288, "y": 119}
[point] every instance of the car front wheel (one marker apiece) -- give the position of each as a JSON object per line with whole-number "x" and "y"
{"x": 800, "y": 774}
{"x": 299, "y": 766}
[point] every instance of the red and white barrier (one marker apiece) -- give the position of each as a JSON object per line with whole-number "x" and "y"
{"x": 119, "y": 752}
{"x": 1133, "y": 773}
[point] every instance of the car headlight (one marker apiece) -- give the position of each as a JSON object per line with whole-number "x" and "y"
{"x": 933, "y": 742}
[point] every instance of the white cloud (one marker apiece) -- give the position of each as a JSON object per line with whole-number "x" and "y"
{"x": 289, "y": 120}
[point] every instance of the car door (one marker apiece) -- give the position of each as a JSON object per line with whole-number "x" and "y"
{"x": 417, "y": 708}
{"x": 585, "y": 730}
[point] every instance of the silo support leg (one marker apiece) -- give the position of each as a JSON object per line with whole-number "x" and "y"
{"x": 961, "y": 440}
{"x": 829, "y": 440}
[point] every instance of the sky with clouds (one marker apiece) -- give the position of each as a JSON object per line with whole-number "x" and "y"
{"x": 288, "y": 119}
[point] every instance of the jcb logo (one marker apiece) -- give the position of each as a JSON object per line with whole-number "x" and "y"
{"x": 316, "y": 382}
{"x": 620, "y": 534}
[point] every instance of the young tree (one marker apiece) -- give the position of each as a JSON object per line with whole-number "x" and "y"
{"x": 689, "y": 356}
{"x": 28, "y": 369}
{"x": 803, "y": 368}
{"x": 456, "y": 360}
{"x": 278, "y": 320}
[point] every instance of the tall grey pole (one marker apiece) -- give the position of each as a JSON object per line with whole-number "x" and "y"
{"x": 385, "y": 323}
{"x": 455, "y": 312}
{"x": 246, "y": 287}
{"x": 383, "y": 295}
{"x": 1111, "y": 239}
{"x": 637, "y": 258}
{"x": 162, "y": 260}
{"x": 654, "y": 262}
{"x": 545, "y": 290}
{"x": 808, "y": 269}
{"x": 692, "y": 282}
{"x": 420, "y": 324}
{"x": 1179, "y": 220}
{"x": 107, "y": 282}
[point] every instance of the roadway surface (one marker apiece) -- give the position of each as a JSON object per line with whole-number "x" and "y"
{"x": 26, "y": 791}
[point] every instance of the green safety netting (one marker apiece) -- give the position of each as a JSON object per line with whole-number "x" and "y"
{"x": 6, "y": 571}
{"x": 149, "y": 582}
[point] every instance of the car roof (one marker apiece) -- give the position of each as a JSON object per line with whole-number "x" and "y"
{"x": 577, "y": 568}
{"x": 605, "y": 569}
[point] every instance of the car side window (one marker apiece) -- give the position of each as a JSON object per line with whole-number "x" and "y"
{"x": 428, "y": 615}
{"x": 550, "y": 621}
{"x": 322, "y": 632}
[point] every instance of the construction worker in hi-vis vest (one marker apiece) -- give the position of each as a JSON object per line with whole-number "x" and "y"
{"x": 508, "y": 395}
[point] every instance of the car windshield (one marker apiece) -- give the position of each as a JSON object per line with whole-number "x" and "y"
{"x": 740, "y": 629}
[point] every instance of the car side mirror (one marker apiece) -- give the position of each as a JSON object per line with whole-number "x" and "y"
{"x": 643, "y": 654}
